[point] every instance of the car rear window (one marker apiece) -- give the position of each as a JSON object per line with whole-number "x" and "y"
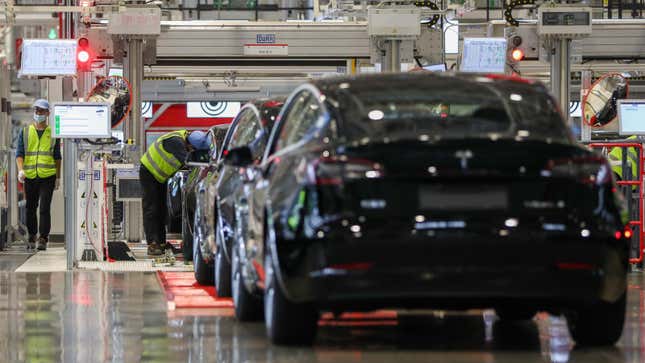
{"x": 428, "y": 113}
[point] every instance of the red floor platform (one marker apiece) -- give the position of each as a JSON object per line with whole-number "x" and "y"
{"x": 183, "y": 292}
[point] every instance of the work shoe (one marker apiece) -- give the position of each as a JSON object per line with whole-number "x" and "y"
{"x": 173, "y": 249}
{"x": 154, "y": 249}
{"x": 42, "y": 244}
{"x": 31, "y": 243}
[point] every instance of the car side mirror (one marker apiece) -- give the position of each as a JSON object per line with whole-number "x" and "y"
{"x": 239, "y": 156}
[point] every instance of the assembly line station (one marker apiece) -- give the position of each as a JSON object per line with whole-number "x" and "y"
{"x": 322, "y": 181}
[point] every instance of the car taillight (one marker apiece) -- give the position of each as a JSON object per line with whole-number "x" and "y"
{"x": 587, "y": 170}
{"x": 333, "y": 170}
{"x": 625, "y": 233}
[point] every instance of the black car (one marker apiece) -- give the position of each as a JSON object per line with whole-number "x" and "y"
{"x": 181, "y": 188}
{"x": 251, "y": 129}
{"x": 422, "y": 190}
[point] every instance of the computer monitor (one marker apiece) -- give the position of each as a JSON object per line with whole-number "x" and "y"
{"x": 631, "y": 117}
{"x": 81, "y": 120}
{"x": 485, "y": 55}
{"x": 115, "y": 72}
{"x": 45, "y": 57}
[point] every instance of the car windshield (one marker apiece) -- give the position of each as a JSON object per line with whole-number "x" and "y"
{"x": 429, "y": 114}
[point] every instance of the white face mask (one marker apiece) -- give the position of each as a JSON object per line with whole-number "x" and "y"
{"x": 39, "y": 118}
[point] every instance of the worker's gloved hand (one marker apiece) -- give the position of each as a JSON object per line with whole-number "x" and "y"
{"x": 57, "y": 185}
{"x": 21, "y": 176}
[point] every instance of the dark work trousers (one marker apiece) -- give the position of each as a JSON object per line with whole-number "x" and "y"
{"x": 39, "y": 192}
{"x": 154, "y": 207}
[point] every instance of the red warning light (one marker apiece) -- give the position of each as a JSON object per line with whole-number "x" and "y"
{"x": 517, "y": 54}
{"x": 83, "y": 56}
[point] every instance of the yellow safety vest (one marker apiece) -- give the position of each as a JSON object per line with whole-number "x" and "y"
{"x": 160, "y": 163}
{"x": 39, "y": 153}
{"x": 616, "y": 158}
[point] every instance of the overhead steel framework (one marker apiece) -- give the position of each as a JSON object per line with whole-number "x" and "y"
{"x": 212, "y": 40}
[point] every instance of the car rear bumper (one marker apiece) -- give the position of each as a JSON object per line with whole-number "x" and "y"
{"x": 452, "y": 274}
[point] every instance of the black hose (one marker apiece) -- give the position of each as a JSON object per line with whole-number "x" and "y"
{"x": 112, "y": 141}
{"x": 508, "y": 10}
{"x": 429, "y": 4}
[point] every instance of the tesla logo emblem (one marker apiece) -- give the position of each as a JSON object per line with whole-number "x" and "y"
{"x": 464, "y": 155}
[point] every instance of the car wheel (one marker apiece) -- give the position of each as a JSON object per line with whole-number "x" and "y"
{"x": 514, "y": 314}
{"x": 287, "y": 323}
{"x": 203, "y": 271}
{"x": 187, "y": 238}
{"x": 247, "y": 306}
{"x": 222, "y": 270}
{"x": 600, "y": 324}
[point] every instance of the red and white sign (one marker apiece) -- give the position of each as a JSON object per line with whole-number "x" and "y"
{"x": 176, "y": 117}
{"x": 214, "y": 109}
{"x": 266, "y": 49}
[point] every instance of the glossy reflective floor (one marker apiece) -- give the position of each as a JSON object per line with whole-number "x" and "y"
{"x": 91, "y": 316}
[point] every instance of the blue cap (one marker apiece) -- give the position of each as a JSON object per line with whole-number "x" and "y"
{"x": 41, "y": 103}
{"x": 199, "y": 140}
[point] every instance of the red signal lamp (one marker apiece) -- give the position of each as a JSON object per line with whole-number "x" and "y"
{"x": 83, "y": 55}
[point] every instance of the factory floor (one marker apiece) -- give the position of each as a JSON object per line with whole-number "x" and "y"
{"x": 96, "y": 316}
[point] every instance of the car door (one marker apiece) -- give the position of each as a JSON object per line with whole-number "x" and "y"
{"x": 302, "y": 117}
{"x": 230, "y": 181}
{"x": 291, "y": 152}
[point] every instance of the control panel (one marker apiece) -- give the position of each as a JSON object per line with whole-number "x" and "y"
{"x": 564, "y": 21}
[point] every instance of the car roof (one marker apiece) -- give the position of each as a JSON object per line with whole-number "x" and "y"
{"x": 264, "y": 104}
{"x": 268, "y": 102}
{"x": 437, "y": 80}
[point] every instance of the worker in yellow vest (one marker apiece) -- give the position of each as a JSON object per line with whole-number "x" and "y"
{"x": 38, "y": 158}
{"x": 160, "y": 162}
{"x": 616, "y": 160}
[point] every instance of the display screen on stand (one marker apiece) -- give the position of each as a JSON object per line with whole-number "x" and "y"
{"x": 44, "y": 57}
{"x": 631, "y": 117}
{"x": 485, "y": 55}
{"x": 81, "y": 120}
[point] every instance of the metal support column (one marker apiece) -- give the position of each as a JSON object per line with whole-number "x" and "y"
{"x": 85, "y": 83}
{"x": 69, "y": 158}
{"x": 395, "y": 55}
{"x": 69, "y": 193}
{"x": 134, "y": 129}
{"x": 585, "y": 86}
{"x": 12, "y": 181}
{"x": 561, "y": 73}
{"x": 392, "y": 56}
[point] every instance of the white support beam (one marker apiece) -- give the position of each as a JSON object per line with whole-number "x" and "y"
{"x": 156, "y": 115}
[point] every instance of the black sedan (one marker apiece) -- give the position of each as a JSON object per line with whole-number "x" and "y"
{"x": 423, "y": 190}
{"x": 250, "y": 129}
{"x": 181, "y": 188}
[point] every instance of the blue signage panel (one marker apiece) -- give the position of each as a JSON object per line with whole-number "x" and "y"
{"x": 265, "y": 38}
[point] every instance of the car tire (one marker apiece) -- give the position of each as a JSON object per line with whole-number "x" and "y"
{"x": 222, "y": 270}
{"x": 247, "y": 306}
{"x": 203, "y": 270}
{"x": 514, "y": 314}
{"x": 599, "y": 324}
{"x": 186, "y": 238}
{"x": 287, "y": 323}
